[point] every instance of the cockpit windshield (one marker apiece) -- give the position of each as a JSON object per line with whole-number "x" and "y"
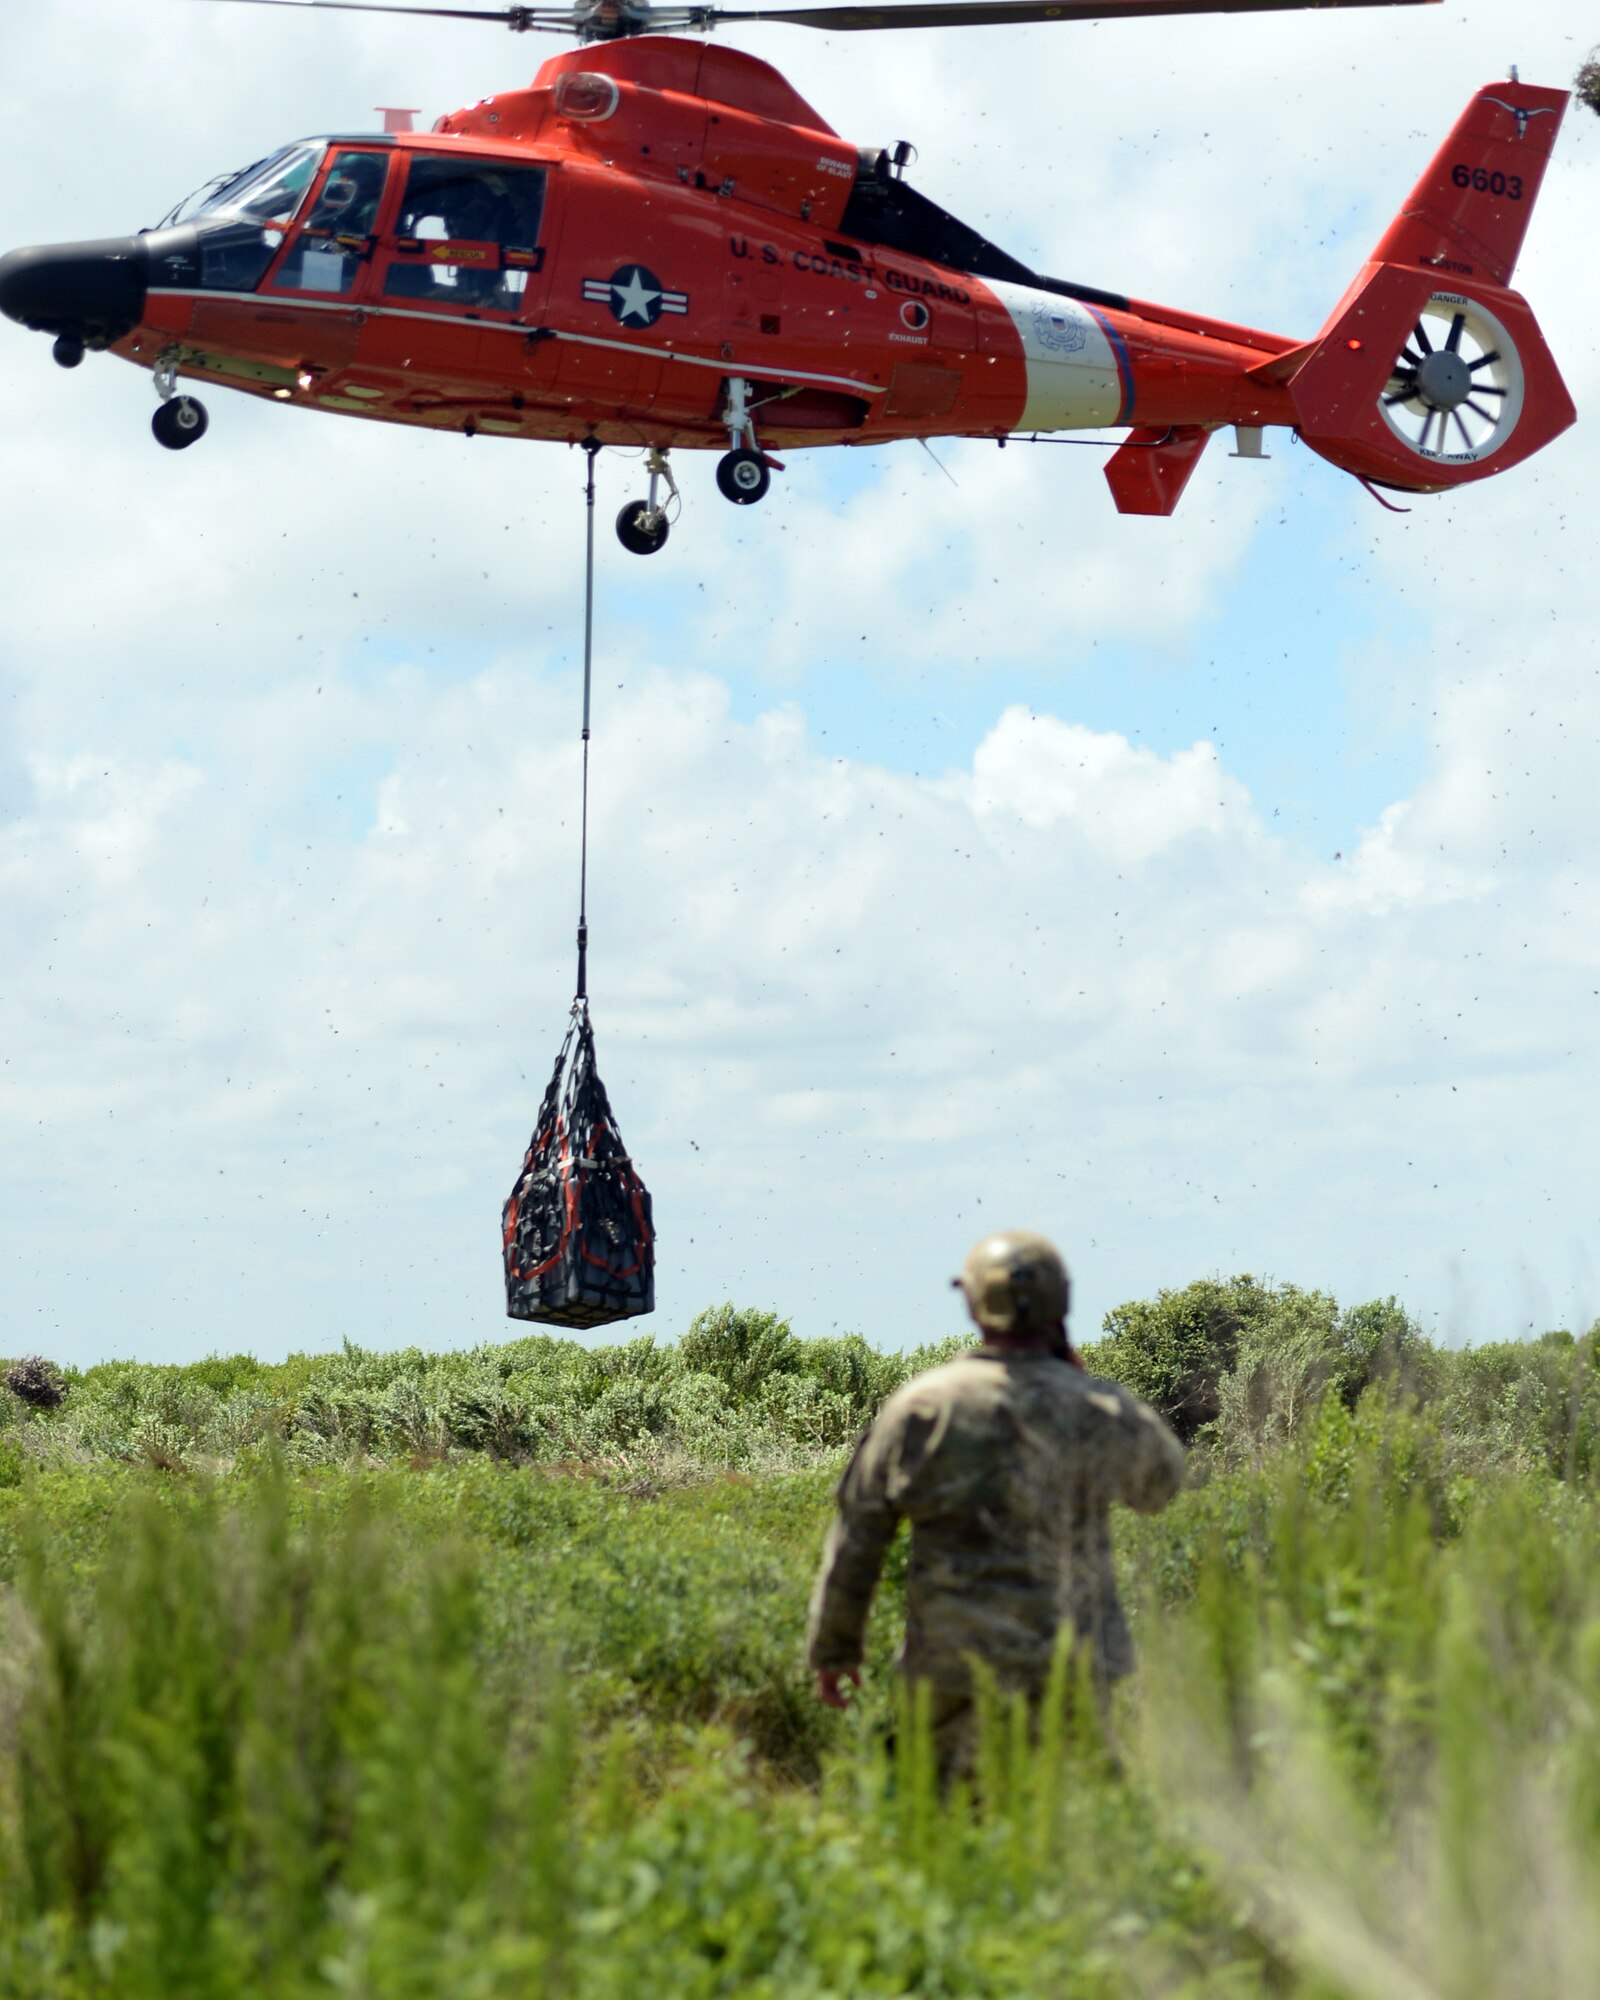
{"x": 268, "y": 193}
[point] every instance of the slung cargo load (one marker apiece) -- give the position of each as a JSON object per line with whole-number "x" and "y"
{"x": 578, "y": 1233}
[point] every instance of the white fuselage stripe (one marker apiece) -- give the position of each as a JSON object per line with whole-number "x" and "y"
{"x": 290, "y": 302}
{"x": 1073, "y": 382}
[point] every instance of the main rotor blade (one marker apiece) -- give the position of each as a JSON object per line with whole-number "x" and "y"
{"x": 995, "y": 13}
{"x": 521, "y": 20}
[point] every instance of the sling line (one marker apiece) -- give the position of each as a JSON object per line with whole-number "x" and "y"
{"x": 577, "y": 1230}
{"x": 591, "y": 447}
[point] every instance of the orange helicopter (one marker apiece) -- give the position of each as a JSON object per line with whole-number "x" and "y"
{"x": 659, "y": 243}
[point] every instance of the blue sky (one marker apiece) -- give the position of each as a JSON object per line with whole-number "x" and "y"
{"x": 1216, "y": 893}
{"x": 1321, "y": 752}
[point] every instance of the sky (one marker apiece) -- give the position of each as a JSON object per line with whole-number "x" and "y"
{"x": 1214, "y": 894}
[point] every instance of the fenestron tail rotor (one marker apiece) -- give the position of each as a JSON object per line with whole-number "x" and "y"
{"x": 1456, "y": 390}
{"x": 608, "y": 20}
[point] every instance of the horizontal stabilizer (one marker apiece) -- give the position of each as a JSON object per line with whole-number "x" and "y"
{"x": 1150, "y": 468}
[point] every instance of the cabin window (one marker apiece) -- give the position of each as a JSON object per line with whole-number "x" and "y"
{"x": 466, "y": 234}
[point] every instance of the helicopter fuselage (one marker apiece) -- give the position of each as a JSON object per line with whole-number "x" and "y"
{"x": 659, "y": 243}
{"x": 692, "y": 227}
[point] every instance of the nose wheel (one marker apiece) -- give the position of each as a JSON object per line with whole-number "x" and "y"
{"x": 744, "y": 476}
{"x": 181, "y": 420}
{"x": 180, "y": 423}
{"x": 642, "y": 526}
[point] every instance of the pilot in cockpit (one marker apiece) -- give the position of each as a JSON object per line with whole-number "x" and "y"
{"x": 328, "y": 253}
{"x": 350, "y": 198}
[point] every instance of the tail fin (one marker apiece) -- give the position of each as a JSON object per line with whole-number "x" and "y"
{"x": 1431, "y": 372}
{"x": 1469, "y": 212}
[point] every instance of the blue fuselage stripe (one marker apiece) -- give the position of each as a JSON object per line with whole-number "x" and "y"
{"x": 1124, "y": 365}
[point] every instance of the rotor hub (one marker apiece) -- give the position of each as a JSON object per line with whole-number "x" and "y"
{"x": 1444, "y": 380}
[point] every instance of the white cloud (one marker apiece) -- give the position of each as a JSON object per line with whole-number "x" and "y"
{"x": 288, "y": 774}
{"x": 1125, "y": 803}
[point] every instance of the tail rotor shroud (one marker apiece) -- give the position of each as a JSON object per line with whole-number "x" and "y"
{"x": 1456, "y": 392}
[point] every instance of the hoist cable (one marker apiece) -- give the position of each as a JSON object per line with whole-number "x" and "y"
{"x": 578, "y": 1230}
{"x": 591, "y": 446}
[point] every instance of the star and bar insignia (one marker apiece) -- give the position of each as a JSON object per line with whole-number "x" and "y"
{"x": 635, "y": 295}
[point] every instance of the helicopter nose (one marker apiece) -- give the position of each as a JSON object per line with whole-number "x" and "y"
{"x": 86, "y": 291}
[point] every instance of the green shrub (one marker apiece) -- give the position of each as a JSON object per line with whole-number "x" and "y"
{"x": 1240, "y": 1365}
{"x": 1376, "y": 1342}
{"x": 1526, "y": 1404}
{"x": 1176, "y": 1349}
{"x": 740, "y": 1347}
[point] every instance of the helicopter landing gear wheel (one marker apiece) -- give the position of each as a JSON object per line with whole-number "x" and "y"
{"x": 181, "y": 420}
{"x": 643, "y": 526}
{"x": 742, "y": 477}
{"x": 180, "y": 423}
{"x": 745, "y": 473}
{"x": 642, "y": 529}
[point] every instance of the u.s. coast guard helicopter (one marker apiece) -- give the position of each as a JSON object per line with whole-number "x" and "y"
{"x": 659, "y": 243}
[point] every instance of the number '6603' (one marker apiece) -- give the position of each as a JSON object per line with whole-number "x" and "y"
{"x": 1483, "y": 182}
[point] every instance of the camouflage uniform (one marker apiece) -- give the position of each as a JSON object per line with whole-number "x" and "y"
{"x": 1006, "y": 1464}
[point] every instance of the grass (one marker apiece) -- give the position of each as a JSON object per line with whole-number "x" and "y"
{"x": 433, "y": 1717}
{"x": 487, "y": 1730}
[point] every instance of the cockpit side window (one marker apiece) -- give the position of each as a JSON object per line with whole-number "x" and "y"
{"x": 338, "y": 231}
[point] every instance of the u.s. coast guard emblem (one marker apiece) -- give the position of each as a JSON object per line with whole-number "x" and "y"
{"x": 1060, "y": 328}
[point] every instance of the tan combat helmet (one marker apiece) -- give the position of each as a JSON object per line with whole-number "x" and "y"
{"x": 1015, "y": 1283}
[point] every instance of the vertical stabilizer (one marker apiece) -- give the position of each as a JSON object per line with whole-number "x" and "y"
{"x": 1468, "y": 214}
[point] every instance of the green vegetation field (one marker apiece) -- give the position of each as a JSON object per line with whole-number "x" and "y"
{"x": 480, "y": 1675}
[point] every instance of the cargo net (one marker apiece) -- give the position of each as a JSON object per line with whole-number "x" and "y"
{"x": 579, "y": 1243}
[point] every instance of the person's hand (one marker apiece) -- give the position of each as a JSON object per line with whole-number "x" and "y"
{"x": 829, "y": 1691}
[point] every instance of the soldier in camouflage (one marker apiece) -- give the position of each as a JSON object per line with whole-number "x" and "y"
{"x": 1006, "y": 1462}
